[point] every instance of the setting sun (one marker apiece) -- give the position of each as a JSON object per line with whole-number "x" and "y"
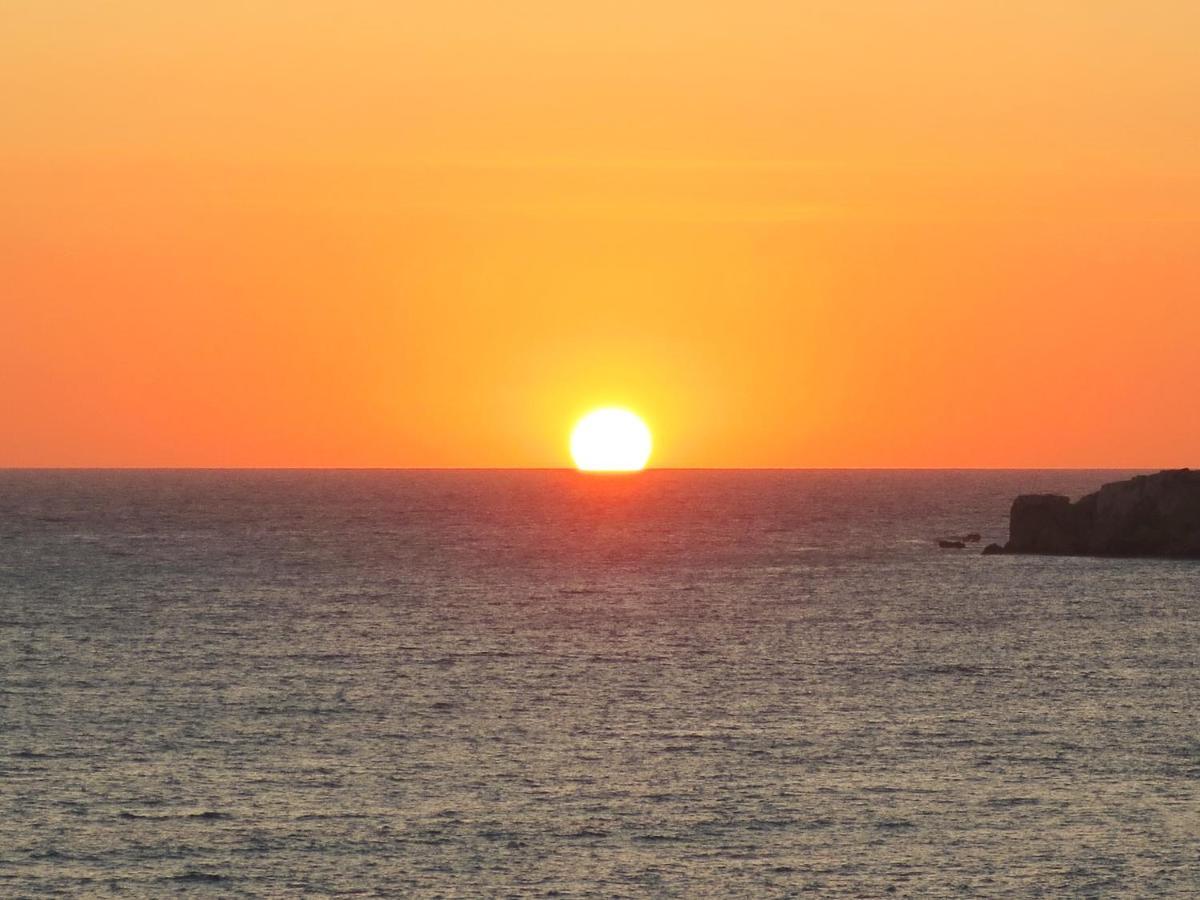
{"x": 610, "y": 440}
{"x": 640, "y": 447}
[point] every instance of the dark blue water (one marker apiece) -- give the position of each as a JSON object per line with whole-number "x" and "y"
{"x": 547, "y": 684}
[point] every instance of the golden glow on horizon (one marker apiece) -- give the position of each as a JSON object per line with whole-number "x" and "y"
{"x": 610, "y": 439}
{"x": 822, "y": 234}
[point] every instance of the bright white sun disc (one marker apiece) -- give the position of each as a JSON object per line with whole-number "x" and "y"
{"x": 610, "y": 440}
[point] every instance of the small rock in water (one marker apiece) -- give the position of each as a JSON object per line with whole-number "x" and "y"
{"x": 992, "y": 549}
{"x": 952, "y": 545}
{"x": 973, "y": 538}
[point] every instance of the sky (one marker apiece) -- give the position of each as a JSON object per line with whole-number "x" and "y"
{"x": 799, "y": 234}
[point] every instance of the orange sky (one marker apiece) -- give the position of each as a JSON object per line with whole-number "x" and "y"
{"x": 371, "y": 233}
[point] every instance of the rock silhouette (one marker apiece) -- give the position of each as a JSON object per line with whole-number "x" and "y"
{"x": 1149, "y": 515}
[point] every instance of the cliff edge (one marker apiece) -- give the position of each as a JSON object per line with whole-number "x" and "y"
{"x": 1149, "y": 515}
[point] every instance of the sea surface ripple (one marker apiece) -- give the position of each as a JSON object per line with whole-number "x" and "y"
{"x": 676, "y": 684}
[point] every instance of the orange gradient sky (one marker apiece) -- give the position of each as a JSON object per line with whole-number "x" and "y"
{"x": 369, "y": 233}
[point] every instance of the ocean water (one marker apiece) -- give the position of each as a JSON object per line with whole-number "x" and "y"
{"x": 675, "y": 684}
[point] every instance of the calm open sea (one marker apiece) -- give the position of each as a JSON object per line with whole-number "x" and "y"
{"x": 681, "y": 683}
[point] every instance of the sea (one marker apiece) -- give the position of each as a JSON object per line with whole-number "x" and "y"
{"x": 549, "y": 684}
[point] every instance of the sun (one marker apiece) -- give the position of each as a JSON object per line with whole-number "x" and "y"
{"x": 610, "y": 439}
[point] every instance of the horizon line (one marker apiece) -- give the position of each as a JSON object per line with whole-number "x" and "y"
{"x": 648, "y": 469}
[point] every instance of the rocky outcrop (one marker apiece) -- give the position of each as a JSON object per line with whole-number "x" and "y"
{"x": 1150, "y": 515}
